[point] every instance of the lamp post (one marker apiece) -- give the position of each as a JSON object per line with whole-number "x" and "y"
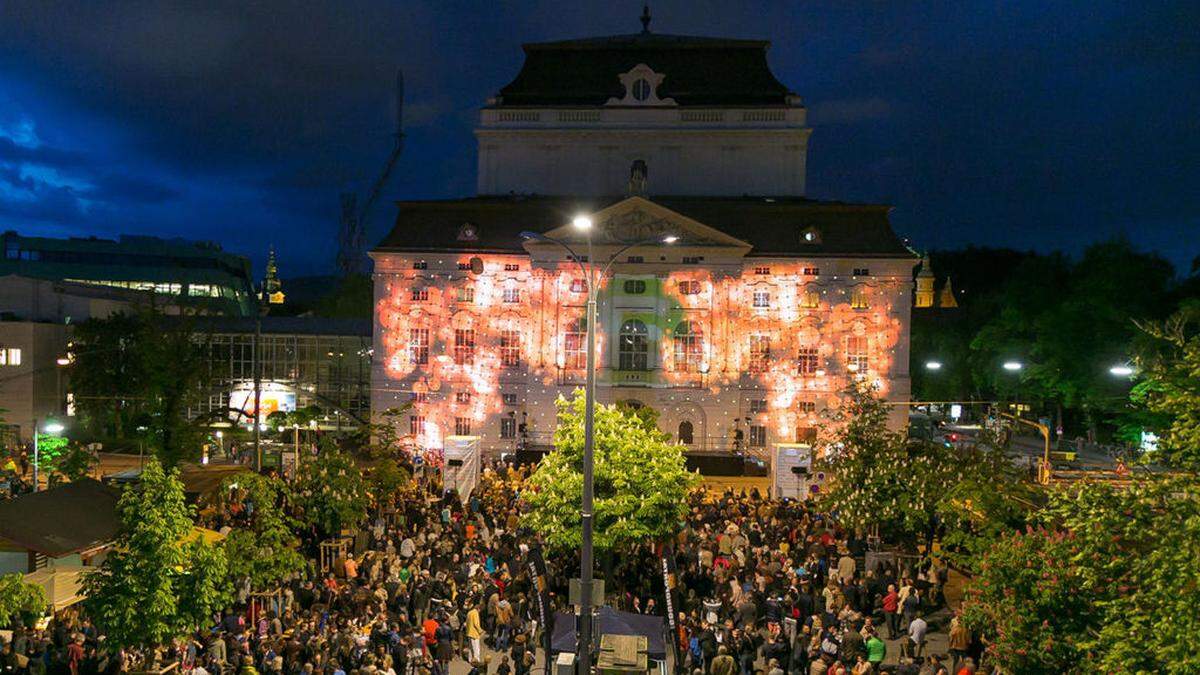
{"x": 584, "y": 223}
{"x": 52, "y": 427}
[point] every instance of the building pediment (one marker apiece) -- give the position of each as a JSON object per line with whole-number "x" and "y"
{"x": 638, "y": 219}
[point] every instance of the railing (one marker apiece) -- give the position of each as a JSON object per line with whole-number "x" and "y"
{"x": 701, "y": 115}
{"x": 518, "y": 116}
{"x": 579, "y": 116}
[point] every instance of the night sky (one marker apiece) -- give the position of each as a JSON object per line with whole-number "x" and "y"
{"x": 1030, "y": 124}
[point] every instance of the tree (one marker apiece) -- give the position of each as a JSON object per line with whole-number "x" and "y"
{"x": 153, "y": 587}
{"x": 1105, "y": 583}
{"x": 142, "y": 370}
{"x": 383, "y": 439}
{"x": 264, "y": 551}
{"x": 641, "y": 482}
{"x": 387, "y": 478}
{"x": 1168, "y": 362}
{"x": 332, "y": 492}
{"x": 20, "y": 601}
{"x": 877, "y": 476}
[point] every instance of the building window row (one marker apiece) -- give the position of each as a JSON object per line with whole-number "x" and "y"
{"x": 10, "y": 356}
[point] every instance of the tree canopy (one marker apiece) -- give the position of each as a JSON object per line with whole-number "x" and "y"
{"x": 331, "y": 491}
{"x": 19, "y": 601}
{"x": 1168, "y": 362}
{"x": 641, "y": 481}
{"x": 264, "y": 550}
{"x": 152, "y": 585}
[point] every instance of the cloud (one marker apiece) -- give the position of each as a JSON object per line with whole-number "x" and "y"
{"x": 849, "y": 111}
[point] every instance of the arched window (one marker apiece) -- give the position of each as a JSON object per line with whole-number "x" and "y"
{"x": 689, "y": 347}
{"x": 860, "y": 297}
{"x": 685, "y": 432}
{"x": 575, "y": 344}
{"x": 634, "y": 346}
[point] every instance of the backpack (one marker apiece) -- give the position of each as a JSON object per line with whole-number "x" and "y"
{"x": 694, "y": 647}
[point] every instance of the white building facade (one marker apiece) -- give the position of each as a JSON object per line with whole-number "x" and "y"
{"x": 741, "y": 334}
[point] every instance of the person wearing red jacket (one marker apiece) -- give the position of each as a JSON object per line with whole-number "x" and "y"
{"x": 891, "y": 610}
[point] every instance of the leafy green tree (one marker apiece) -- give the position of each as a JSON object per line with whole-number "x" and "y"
{"x": 1106, "y": 583}
{"x": 383, "y": 439}
{"x": 266, "y": 550}
{"x": 19, "y": 601}
{"x": 153, "y": 587}
{"x": 877, "y": 476}
{"x": 1168, "y": 362}
{"x": 641, "y": 482}
{"x": 331, "y": 491}
{"x": 387, "y": 479}
{"x": 143, "y": 370}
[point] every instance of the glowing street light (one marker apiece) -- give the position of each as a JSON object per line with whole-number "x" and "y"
{"x": 1013, "y": 366}
{"x": 51, "y": 427}
{"x": 1121, "y": 370}
{"x": 933, "y": 365}
{"x": 582, "y": 222}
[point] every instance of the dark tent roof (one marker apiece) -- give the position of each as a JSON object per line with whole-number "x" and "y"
{"x": 700, "y": 71}
{"x": 612, "y": 622}
{"x": 772, "y": 226}
{"x": 70, "y": 518}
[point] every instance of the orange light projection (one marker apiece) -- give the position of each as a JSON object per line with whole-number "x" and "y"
{"x": 458, "y": 338}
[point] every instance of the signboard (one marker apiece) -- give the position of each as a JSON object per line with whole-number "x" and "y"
{"x": 272, "y": 397}
{"x": 792, "y": 467}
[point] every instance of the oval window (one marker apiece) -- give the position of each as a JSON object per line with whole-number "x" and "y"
{"x": 641, "y": 89}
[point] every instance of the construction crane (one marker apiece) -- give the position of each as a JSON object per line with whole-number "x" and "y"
{"x": 350, "y": 255}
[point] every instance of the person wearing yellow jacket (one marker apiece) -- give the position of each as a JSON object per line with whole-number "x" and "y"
{"x": 474, "y": 631}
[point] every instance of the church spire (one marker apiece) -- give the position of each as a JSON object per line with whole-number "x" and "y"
{"x": 645, "y": 18}
{"x": 272, "y": 287}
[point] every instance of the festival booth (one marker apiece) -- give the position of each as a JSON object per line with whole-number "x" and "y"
{"x": 792, "y": 475}
{"x": 462, "y": 465}
{"x": 613, "y": 622}
{"x": 63, "y": 586}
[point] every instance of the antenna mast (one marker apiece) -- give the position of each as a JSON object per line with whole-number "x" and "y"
{"x": 350, "y": 255}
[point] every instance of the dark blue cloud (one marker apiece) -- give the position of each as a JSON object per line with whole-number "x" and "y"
{"x": 1029, "y": 124}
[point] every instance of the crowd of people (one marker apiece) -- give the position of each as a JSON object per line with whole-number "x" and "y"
{"x": 765, "y": 587}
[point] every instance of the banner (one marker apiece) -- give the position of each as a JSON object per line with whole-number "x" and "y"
{"x": 537, "y": 574}
{"x": 671, "y": 599}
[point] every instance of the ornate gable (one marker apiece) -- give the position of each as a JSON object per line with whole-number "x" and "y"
{"x": 637, "y": 219}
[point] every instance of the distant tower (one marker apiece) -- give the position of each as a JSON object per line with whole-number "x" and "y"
{"x": 272, "y": 288}
{"x": 925, "y": 284}
{"x": 946, "y": 297}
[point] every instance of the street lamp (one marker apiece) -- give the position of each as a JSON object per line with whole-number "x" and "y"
{"x": 53, "y": 428}
{"x": 1121, "y": 370}
{"x": 933, "y": 365}
{"x": 584, "y": 223}
{"x": 1013, "y": 366}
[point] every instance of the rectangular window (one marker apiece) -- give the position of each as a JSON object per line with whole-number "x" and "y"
{"x": 862, "y": 272}
{"x": 758, "y": 436}
{"x": 466, "y": 294}
{"x": 860, "y": 298}
{"x": 810, "y": 299}
{"x": 512, "y": 295}
{"x": 758, "y": 405}
{"x": 464, "y": 266}
{"x": 511, "y": 267}
{"x": 689, "y": 288}
{"x": 578, "y": 286}
{"x": 419, "y": 397}
{"x": 464, "y": 346}
{"x": 462, "y": 426}
{"x": 692, "y": 259}
{"x": 510, "y": 348}
{"x": 807, "y": 407}
{"x": 419, "y": 295}
{"x": 508, "y": 399}
{"x": 762, "y": 270}
{"x": 508, "y": 427}
{"x": 462, "y": 397}
{"x": 806, "y": 435}
{"x": 857, "y": 359}
{"x": 575, "y": 346}
{"x": 10, "y": 356}
{"x": 635, "y": 259}
{"x": 808, "y": 361}
{"x": 762, "y": 298}
{"x": 635, "y": 287}
{"x": 420, "y": 265}
{"x": 416, "y": 425}
{"x": 811, "y": 271}
{"x": 418, "y": 346}
{"x": 760, "y": 353}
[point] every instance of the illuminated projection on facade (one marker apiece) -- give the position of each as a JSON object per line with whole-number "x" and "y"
{"x": 741, "y": 334}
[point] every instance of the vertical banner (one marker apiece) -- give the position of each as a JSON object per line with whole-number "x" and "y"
{"x": 671, "y": 600}
{"x": 537, "y": 574}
